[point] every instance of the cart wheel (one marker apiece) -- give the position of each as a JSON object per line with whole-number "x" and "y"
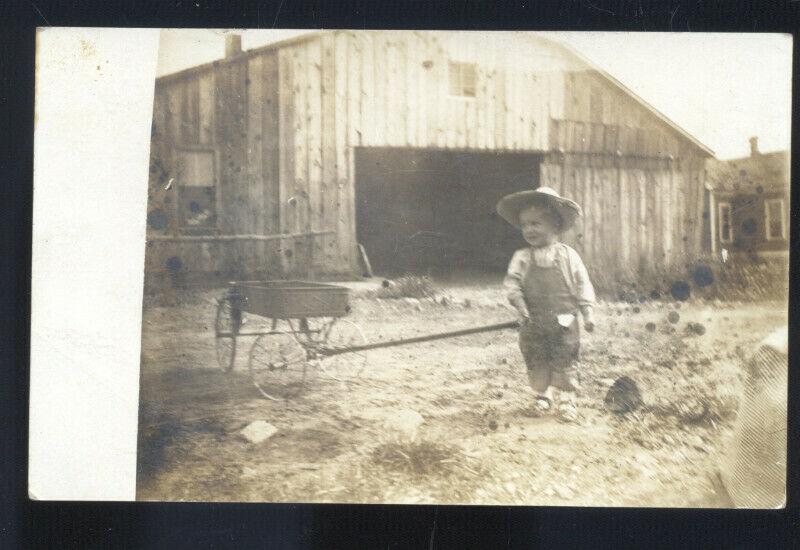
{"x": 278, "y": 365}
{"x": 341, "y": 333}
{"x": 226, "y": 326}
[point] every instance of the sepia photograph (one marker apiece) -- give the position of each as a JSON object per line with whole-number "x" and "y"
{"x": 453, "y": 267}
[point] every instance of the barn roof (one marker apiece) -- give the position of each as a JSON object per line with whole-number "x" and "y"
{"x": 613, "y": 81}
{"x": 178, "y": 75}
{"x": 768, "y": 171}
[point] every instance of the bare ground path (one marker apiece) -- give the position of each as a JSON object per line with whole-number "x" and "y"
{"x": 481, "y": 445}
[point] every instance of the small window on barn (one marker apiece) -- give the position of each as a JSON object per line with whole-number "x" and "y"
{"x": 463, "y": 77}
{"x": 774, "y": 218}
{"x": 197, "y": 191}
{"x": 725, "y": 223}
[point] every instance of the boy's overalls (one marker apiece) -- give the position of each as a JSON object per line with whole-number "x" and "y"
{"x": 550, "y": 350}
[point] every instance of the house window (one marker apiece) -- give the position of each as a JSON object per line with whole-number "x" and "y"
{"x": 725, "y": 223}
{"x": 462, "y": 79}
{"x": 773, "y": 215}
{"x": 197, "y": 191}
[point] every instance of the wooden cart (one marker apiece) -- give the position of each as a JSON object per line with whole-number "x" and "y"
{"x": 294, "y": 323}
{"x": 297, "y": 325}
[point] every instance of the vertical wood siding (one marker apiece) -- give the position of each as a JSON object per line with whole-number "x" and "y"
{"x": 397, "y": 87}
{"x": 285, "y": 124}
{"x": 635, "y": 217}
{"x": 650, "y": 211}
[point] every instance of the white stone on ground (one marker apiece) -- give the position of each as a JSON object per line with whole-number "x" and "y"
{"x": 258, "y": 431}
{"x": 564, "y": 492}
{"x": 404, "y": 424}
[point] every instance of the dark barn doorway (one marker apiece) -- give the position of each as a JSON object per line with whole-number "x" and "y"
{"x": 424, "y": 211}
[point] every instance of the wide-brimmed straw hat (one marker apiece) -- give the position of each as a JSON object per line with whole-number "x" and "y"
{"x": 511, "y": 205}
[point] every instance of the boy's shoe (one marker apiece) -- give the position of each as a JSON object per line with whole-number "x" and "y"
{"x": 543, "y": 403}
{"x": 567, "y": 412}
{"x": 541, "y": 406}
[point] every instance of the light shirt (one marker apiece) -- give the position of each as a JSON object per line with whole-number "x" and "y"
{"x": 559, "y": 254}
{"x": 544, "y": 256}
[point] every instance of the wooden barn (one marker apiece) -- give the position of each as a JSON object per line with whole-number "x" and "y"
{"x": 280, "y": 161}
{"x": 750, "y": 203}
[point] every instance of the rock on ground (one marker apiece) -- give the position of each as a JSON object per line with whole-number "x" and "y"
{"x": 564, "y": 492}
{"x": 258, "y": 431}
{"x": 404, "y": 423}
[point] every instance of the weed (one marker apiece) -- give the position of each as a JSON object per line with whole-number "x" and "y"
{"x": 739, "y": 279}
{"x": 418, "y": 457}
{"x": 408, "y": 286}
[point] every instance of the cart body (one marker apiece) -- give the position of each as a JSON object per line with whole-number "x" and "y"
{"x": 305, "y": 319}
{"x": 290, "y": 299}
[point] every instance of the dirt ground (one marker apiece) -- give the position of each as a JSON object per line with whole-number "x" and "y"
{"x": 479, "y": 443}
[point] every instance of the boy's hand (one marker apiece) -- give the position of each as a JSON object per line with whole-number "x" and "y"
{"x": 588, "y": 318}
{"x": 588, "y": 323}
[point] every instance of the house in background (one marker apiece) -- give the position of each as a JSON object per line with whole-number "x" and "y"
{"x": 281, "y": 161}
{"x": 750, "y": 203}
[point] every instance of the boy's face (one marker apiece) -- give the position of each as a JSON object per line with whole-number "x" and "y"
{"x": 539, "y": 225}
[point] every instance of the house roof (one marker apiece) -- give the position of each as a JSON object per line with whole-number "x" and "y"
{"x": 767, "y": 171}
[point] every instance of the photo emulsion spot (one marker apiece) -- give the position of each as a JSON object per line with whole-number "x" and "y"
{"x": 508, "y": 268}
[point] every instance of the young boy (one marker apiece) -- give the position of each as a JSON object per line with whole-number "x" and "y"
{"x": 548, "y": 284}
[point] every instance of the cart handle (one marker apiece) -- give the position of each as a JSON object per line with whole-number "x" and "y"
{"x": 327, "y": 352}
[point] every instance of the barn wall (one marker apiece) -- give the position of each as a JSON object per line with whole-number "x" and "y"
{"x": 633, "y": 211}
{"x": 232, "y": 108}
{"x": 641, "y": 184}
{"x": 346, "y": 89}
{"x": 397, "y": 89}
{"x": 315, "y": 194}
{"x": 284, "y": 123}
{"x": 177, "y": 121}
{"x": 638, "y": 214}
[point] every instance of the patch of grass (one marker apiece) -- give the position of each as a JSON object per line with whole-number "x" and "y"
{"x": 749, "y": 280}
{"x": 705, "y": 397}
{"x": 174, "y": 298}
{"x": 689, "y": 403}
{"x": 419, "y": 457}
{"x": 739, "y": 279}
{"x": 704, "y": 410}
{"x": 408, "y": 286}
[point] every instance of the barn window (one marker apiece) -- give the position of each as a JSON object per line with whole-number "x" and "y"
{"x": 773, "y": 215}
{"x": 725, "y": 223}
{"x": 197, "y": 191}
{"x": 462, "y": 79}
